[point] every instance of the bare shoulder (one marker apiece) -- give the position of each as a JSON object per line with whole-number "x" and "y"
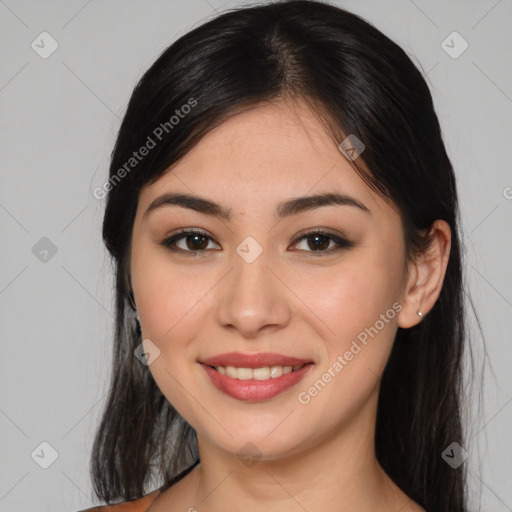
{"x": 139, "y": 505}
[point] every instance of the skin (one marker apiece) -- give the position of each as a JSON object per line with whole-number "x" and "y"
{"x": 314, "y": 456}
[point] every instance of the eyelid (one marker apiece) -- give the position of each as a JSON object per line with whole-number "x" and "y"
{"x": 182, "y": 233}
{"x": 340, "y": 240}
{"x": 320, "y": 231}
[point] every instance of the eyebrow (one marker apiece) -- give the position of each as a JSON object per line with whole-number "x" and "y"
{"x": 284, "y": 209}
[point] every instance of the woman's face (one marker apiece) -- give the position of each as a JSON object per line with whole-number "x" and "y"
{"x": 253, "y": 284}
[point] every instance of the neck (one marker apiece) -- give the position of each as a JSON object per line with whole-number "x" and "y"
{"x": 340, "y": 473}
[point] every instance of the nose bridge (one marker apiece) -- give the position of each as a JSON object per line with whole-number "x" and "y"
{"x": 251, "y": 296}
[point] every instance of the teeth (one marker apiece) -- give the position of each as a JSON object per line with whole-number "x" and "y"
{"x": 260, "y": 373}
{"x": 232, "y": 372}
{"x": 264, "y": 373}
{"x": 243, "y": 373}
{"x": 276, "y": 371}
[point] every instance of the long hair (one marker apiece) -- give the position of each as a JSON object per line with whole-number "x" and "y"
{"x": 358, "y": 82}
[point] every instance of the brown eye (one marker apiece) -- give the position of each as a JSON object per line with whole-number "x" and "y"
{"x": 188, "y": 241}
{"x": 196, "y": 242}
{"x": 320, "y": 242}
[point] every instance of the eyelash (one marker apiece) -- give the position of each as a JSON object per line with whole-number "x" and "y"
{"x": 169, "y": 242}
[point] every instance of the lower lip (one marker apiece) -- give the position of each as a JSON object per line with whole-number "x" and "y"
{"x": 255, "y": 390}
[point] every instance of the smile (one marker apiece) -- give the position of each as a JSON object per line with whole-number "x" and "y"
{"x": 263, "y": 373}
{"x": 254, "y": 382}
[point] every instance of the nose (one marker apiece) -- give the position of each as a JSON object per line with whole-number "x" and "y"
{"x": 252, "y": 299}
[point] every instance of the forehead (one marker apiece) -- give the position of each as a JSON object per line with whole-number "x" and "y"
{"x": 264, "y": 155}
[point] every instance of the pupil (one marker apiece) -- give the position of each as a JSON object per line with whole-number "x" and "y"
{"x": 193, "y": 246}
{"x": 324, "y": 245}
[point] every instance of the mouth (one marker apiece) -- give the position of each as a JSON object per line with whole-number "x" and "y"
{"x": 259, "y": 360}
{"x": 255, "y": 377}
{"x": 261, "y": 373}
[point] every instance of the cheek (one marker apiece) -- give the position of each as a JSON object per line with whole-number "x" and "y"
{"x": 168, "y": 295}
{"x": 361, "y": 308}
{"x": 351, "y": 298}
{"x": 170, "y": 301}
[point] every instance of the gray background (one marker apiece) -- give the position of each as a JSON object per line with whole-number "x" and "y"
{"x": 59, "y": 117}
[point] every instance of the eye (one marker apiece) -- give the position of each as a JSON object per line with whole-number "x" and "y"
{"x": 195, "y": 241}
{"x": 320, "y": 242}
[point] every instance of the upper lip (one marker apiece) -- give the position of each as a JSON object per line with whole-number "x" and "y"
{"x": 241, "y": 360}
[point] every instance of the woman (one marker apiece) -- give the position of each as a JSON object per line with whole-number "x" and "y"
{"x": 283, "y": 220}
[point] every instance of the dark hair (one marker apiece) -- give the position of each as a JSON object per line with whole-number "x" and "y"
{"x": 358, "y": 82}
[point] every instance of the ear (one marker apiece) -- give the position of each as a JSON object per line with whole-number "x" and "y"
{"x": 426, "y": 276}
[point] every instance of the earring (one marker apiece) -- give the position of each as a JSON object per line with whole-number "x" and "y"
{"x": 420, "y": 314}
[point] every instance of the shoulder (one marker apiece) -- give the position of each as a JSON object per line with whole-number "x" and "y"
{"x": 139, "y": 505}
